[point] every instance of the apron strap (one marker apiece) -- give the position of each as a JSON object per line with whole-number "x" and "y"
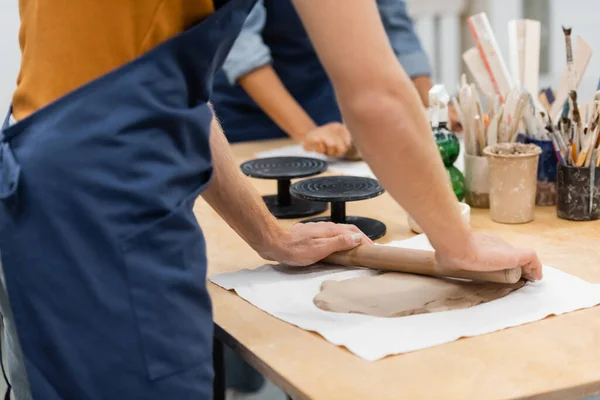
{"x": 8, "y": 385}
{"x": 10, "y": 170}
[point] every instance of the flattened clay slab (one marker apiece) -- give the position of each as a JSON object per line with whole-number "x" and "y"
{"x": 395, "y": 294}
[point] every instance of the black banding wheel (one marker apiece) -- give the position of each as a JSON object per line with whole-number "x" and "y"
{"x": 284, "y": 169}
{"x": 338, "y": 190}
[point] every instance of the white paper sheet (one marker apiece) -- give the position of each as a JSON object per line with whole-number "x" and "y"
{"x": 342, "y": 167}
{"x": 289, "y": 297}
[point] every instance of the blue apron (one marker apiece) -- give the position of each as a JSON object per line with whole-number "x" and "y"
{"x": 298, "y": 67}
{"x": 104, "y": 260}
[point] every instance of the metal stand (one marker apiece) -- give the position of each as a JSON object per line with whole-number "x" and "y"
{"x": 284, "y": 169}
{"x": 338, "y": 190}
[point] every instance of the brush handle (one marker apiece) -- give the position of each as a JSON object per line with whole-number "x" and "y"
{"x": 413, "y": 261}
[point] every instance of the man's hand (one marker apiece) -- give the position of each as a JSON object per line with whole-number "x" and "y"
{"x": 306, "y": 244}
{"x": 490, "y": 253}
{"x": 332, "y": 139}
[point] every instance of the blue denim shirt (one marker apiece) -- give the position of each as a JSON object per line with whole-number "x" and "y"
{"x": 249, "y": 52}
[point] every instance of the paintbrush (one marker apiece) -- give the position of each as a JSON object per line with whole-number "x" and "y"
{"x": 590, "y": 146}
{"x": 564, "y": 123}
{"x": 556, "y": 146}
{"x": 576, "y": 126}
{"x": 570, "y": 69}
{"x": 593, "y": 180}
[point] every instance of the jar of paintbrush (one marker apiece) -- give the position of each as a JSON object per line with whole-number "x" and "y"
{"x": 576, "y": 141}
{"x": 578, "y": 193}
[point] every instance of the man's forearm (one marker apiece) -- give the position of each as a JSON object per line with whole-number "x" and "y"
{"x": 382, "y": 110}
{"x": 266, "y": 89}
{"x": 235, "y": 199}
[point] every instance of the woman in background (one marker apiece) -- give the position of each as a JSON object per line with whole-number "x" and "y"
{"x": 273, "y": 85}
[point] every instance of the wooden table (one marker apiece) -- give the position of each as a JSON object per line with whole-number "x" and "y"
{"x": 557, "y": 358}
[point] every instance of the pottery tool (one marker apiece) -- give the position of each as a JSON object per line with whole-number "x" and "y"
{"x": 338, "y": 190}
{"x": 519, "y": 109}
{"x": 576, "y": 126}
{"x": 413, "y": 261}
{"x": 465, "y": 97}
{"x": 492, "y": 129}
{"x": 569, "y": 51}
{"x": 491, "y": 56}
{"x": 592, "y": 180}
{"x": 586, "y": 155}
{"x": 544, "y": 102}
{"x": 582, "y": 52}
{"x": 479, "y": 124}
{"x": 524, "y": 50}
{"x": 477, "y": 68}
{"x": 557, "y": 148}
{"x": 284, "y": 169}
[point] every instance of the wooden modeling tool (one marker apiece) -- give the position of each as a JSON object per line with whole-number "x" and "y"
{"x": 521, "y": 105}
{"x": 492, "y": 130}
{"x": 491, "y": 56}
{"x": 582, "y": 53}
{"x": 544, "y": 102}
{"x": 516, "y": 49}
{"x": 413, "y": 261}
{"x": 524, "y": 50}
{"x": 592, "y": 180}
{"x": 477, "y": 68}
{"x": 465, "y": 97}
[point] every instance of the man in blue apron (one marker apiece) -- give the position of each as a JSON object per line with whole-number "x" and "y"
{"x": 112, "y": 141}
{"x": 272, "y": 83}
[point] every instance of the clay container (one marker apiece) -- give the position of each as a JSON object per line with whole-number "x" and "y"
{"x": 574, "y": 194}
{"x": 546, "y": 174}
{"x": 512, "y": 179}
{"x": 477, "y": 181}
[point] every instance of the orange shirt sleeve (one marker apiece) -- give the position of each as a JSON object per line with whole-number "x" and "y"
{"x": 67, "y": 43}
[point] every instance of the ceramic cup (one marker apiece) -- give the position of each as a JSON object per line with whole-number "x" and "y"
{"x": 477, "y": 181}
{"x": 465, "y": 213}
{"x": 512, "y": 173}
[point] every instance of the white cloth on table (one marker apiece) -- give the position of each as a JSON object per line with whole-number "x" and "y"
{"x": 289, "y": 297}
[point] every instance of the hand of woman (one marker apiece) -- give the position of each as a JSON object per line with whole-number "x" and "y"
{"x": 332, "y": 139}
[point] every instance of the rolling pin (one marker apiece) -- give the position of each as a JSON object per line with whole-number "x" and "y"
{"x": 413, "y": 261}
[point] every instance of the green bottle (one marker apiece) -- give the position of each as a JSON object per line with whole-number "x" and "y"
{"x": 446, "y": 140}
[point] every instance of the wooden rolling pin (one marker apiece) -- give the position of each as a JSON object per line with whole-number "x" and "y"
{"x": 413, "y": 261}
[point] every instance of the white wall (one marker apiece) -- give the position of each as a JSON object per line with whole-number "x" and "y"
{"x": 582, "y": 16}
{"x": 9, "y": 52}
